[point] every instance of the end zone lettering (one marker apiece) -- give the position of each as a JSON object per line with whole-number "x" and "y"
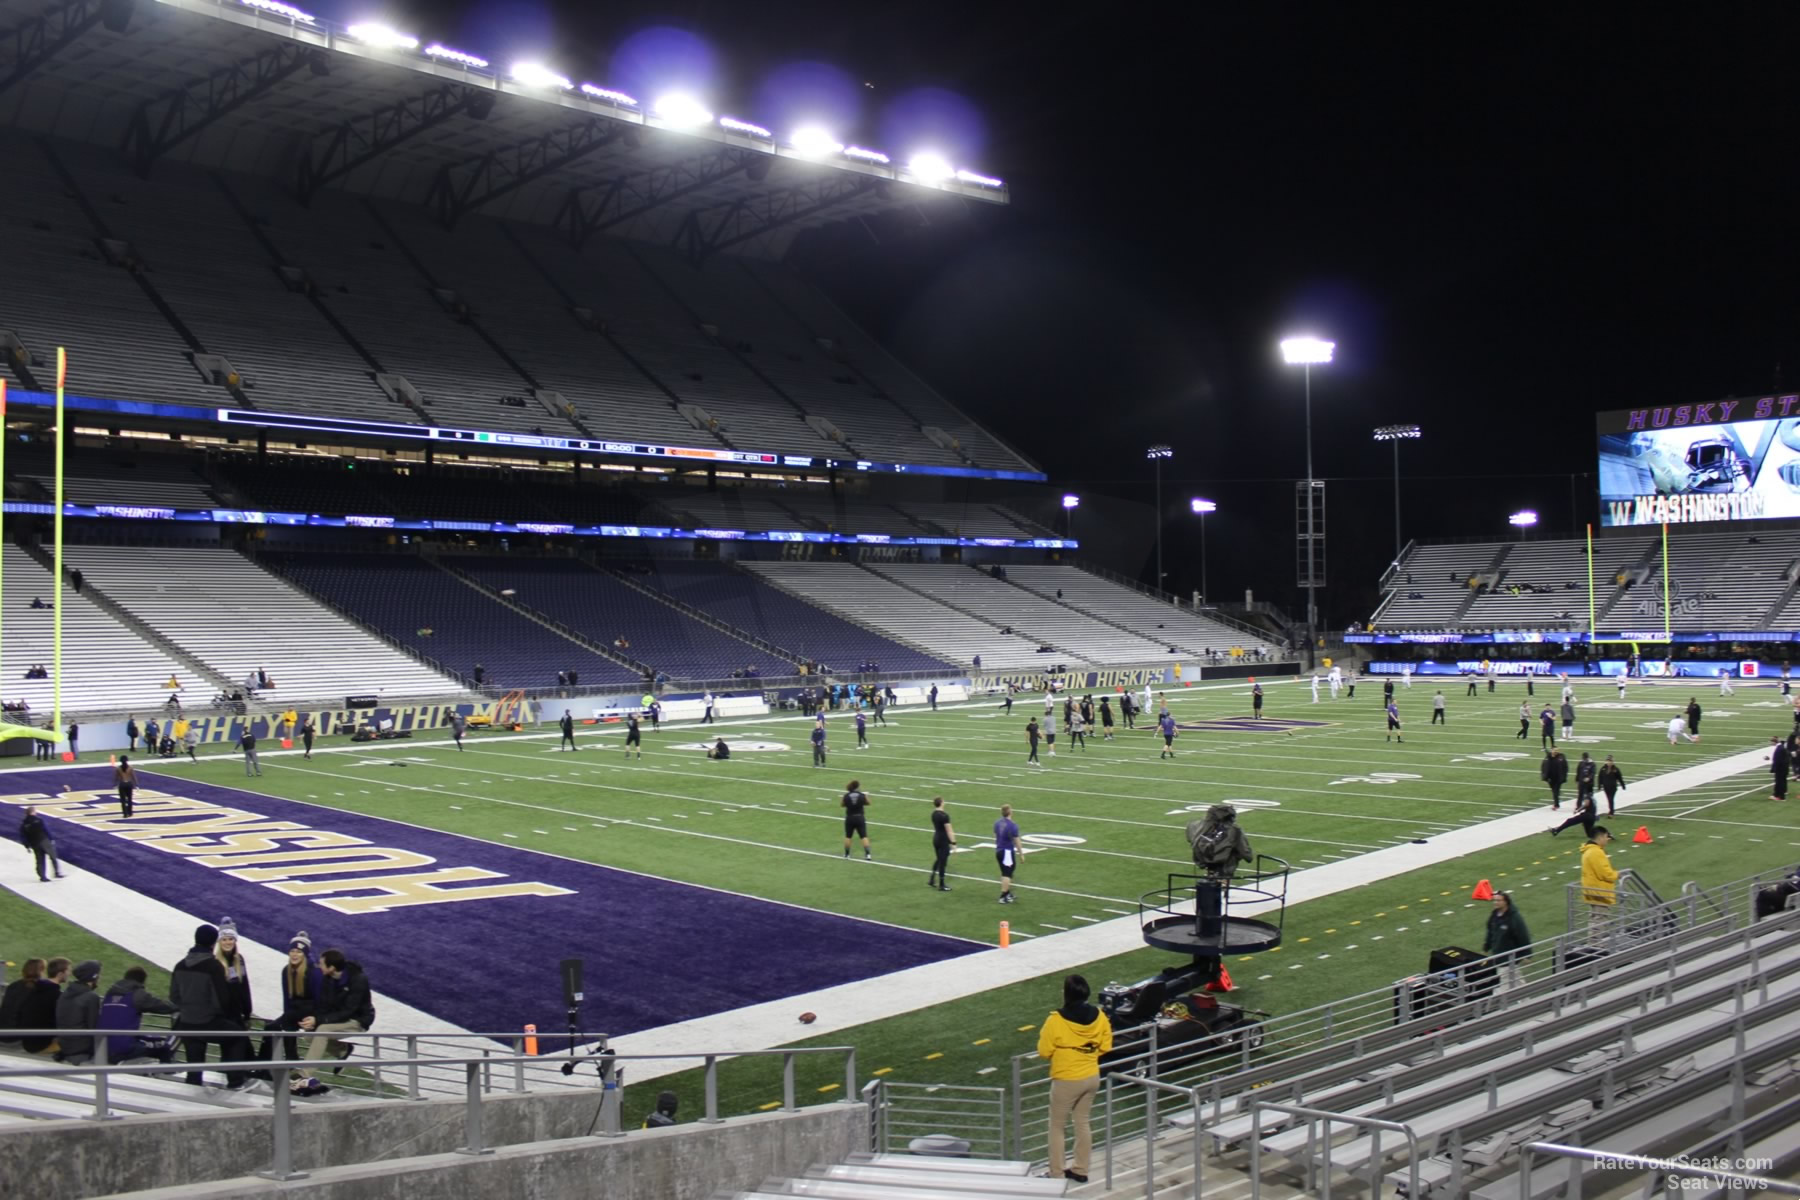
{"x": 276, "y": 854}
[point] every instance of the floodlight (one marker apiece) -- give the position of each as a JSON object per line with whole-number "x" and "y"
{"x": 539, "y": 76}
{"x": 1305, "y": 351}
{"x": 812, "y": 140}
{"x": 608, "y": 95}
{"x": 867, "y": 155}
{"x": 931, "y": 167}
{"x": 1203, "y": 506}
{"x": 383, "y": 37}
{"x": 276, "y": 8}
{"x": 737, "y": 126}
{"x": 1522, "y": 519}
{"x": 682, "y": 110}
{"x": 437, "y": 50}
{"x": 980, "y": 180}
{"x": 1071, "y": 501}
{"x": 1395, "y": 433}
{"x": 1159, "y": 452}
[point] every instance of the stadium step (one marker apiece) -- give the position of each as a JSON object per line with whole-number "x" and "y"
{"x": 131, "y": 621}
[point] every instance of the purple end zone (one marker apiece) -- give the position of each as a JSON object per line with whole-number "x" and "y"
{"x": 655, "y": 951}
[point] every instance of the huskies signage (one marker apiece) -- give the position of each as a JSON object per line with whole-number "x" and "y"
{"x": 1078, "y": 681}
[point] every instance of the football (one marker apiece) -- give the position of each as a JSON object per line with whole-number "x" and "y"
{"x": 807, "y": 1018}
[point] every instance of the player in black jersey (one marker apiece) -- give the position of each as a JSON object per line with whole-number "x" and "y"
{"x": 856, "y": 820}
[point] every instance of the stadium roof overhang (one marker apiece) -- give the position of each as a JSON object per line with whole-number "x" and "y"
{"x": 222, "y": 85}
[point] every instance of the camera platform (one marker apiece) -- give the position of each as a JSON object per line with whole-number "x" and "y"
{"x": 1194, "y": 914}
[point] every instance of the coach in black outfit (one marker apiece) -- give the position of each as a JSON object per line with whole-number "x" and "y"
{"x": 942, "y": 838}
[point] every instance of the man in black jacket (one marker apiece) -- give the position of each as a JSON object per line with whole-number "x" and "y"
{"x": 79, "y": 1008}
{"x": 197, "y": 990}
{"x": 1587, "y": 772}
{"x": 1554, "y": 771}
{"x": 36, "y": 836}
{"x": 348, "y": 1009}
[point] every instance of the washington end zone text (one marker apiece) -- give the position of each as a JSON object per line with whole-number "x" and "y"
{"x": 281, "y": 854}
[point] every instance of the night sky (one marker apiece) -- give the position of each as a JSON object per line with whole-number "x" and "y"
{"x": 1507, "y": 219}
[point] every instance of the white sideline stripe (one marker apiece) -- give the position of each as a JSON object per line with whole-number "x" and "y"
{"x": 161, "y": 934}
{"x": 774, "y": 1023}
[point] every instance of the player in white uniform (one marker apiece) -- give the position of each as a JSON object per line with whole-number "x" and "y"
{"x": 1315, "y": 687}
{"x": 1678, "y": 728}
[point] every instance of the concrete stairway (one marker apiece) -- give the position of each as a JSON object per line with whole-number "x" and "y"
{"x": 913, "y": 1177}
{"x": 1222, "y": 1176}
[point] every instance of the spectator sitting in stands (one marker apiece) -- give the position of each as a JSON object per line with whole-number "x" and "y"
{"x": 38, "y": 602}
{"x": 262, "y": 678}
{"x": 173, "y": 683}
{"x": 173, "y": 704}
{"x": 619, "y": 643}
{"x": 751, "y": 672}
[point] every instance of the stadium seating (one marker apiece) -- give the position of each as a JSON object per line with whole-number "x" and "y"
{"x": 856, "y": 349}
{"x": 476, "y": 320}
{"x": 1143, "y": 614}
{"x": 1638, "y": 1051}
{"x": 122, "y": 478}
{"x": 1430, "y": 589}
{"x": 107, "y": 667}
{"x": 865, "y": 598}
{"x": 743, "y": 599}
{"x": 601, "y": 606}
{"x": 1717, "y": 581}
{"x": 62, "y": 291}
{"x": 237, "y": 617}
{"x": 207, "y": 264}
{"x": 1040, "y": 617}
{"x": 400, "y": 595}
{"x": 779, "y": 351}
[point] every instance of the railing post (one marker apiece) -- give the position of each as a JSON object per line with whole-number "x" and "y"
{"x": 375, "y": 1053}
{"x": 712, "y": 1091}
{"x": 1150, "y": 1143}
{"x": 1018, "y": 1108}
{"x": 102, "y": 1093}
{"x": 611, "y": 1098}
{"x": 850, "y": 1077}
{"x": 787, "y": 1083}
{"x": 1200, "y": 1139}
{"x": 472, "y": 1139}
{"x": 412, "y": 1068}
{"x": 281, "y": 1165}
{"x": 1109, "y": 1133}
{"x": 518, "y": 1064}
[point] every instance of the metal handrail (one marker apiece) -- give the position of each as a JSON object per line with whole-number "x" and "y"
{"x": 477, "y": 1073}
{"x": 1354, "y": 1019}
{"x": 1577, "y": 1155}
{"x": 1313, "y": 1115}
{"x": 1151, "y": 1088}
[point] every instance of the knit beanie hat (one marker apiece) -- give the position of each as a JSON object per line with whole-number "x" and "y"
{"x": 206, "y": 936}
{"x": 300, "y": 940}
{"x": 87, "y": 971}
{"x": 228, "y": 928}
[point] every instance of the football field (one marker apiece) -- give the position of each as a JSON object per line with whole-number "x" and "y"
{"x": 1317, "y": 785}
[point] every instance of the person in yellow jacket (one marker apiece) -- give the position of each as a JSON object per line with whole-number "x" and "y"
{"x": 1599, "y": 879}
{"x": 1072, "y": 1039}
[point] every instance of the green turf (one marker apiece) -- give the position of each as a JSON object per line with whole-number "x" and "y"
{"x": 28, "y": 930}
{"x": 767, "y": 824}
